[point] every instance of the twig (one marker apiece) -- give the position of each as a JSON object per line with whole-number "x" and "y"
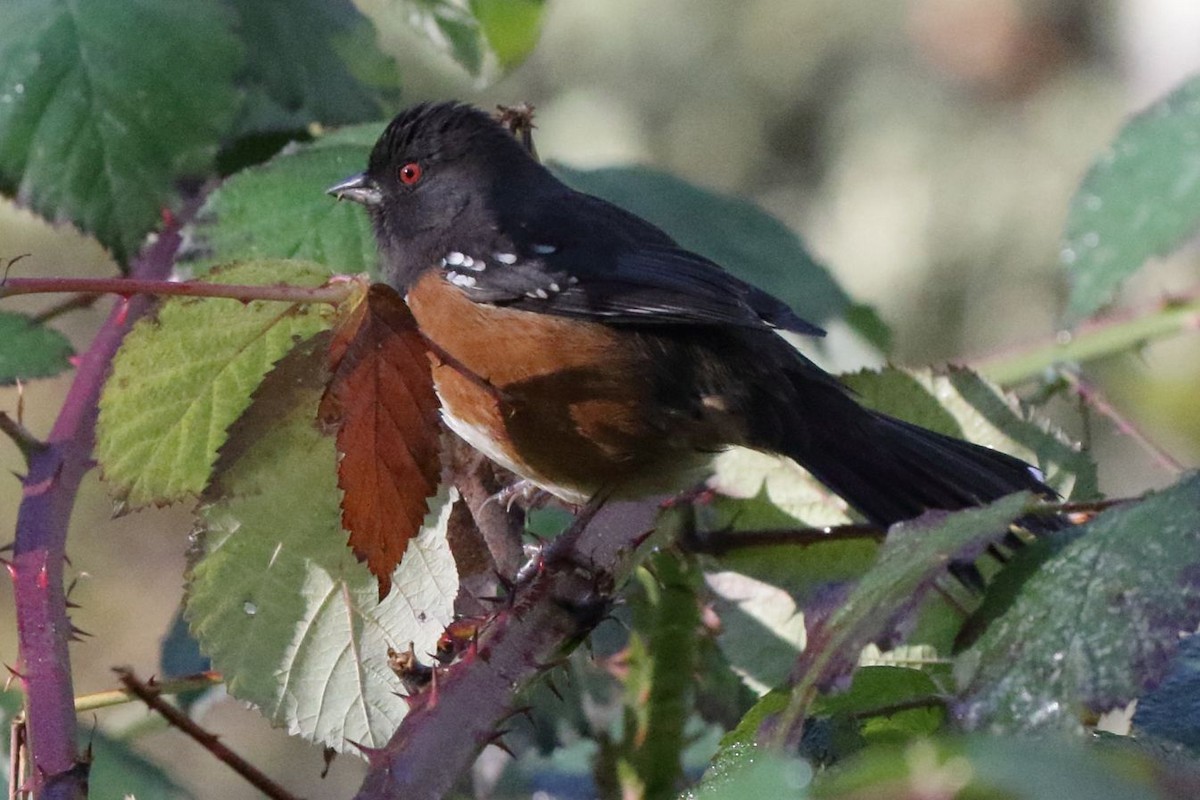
{"x": 720, "y": 542}
{"x": 1094, "y": 398}
{"x": 16, "y": 756}
{"x": 1115, "y": 333}
{"x": 39, "y": 550}
{"x": 150, "y": 695}
{"x": 83, "y": 300}
{"x": 25, "y": 441}
{"x": 116, "y": 697}
{"x": 331, "y": 293}
{"x": 556, "y": 603}
{"x": 929, "y": 701}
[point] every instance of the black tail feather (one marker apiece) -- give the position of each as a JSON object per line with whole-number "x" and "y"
{"x": 890, "y": 470}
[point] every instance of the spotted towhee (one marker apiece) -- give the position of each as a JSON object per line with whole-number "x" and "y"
{"x": 583, "y": 349}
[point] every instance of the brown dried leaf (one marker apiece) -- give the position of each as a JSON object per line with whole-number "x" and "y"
{"x": 382, "y": 404}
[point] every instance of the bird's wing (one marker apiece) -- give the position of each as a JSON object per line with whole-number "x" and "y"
{"x": 623, "y": 283}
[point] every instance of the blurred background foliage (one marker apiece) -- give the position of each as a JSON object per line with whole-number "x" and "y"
{"x": 925, "y": 149}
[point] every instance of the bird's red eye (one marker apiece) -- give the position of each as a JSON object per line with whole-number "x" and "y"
{"x": 410, "y": 173}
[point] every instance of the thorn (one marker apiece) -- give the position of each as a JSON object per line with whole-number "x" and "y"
{"x": 496, "y": 740}
{"x": 524, "y": 711}
{"x": 28, "y": 444}
{"x": 432, "y": 694}
{"x": 12, "y": 672}
{"x": 553, "y": 687}
{"x": 505, "y": 582}
{"x": 79, "y": 634}
{"x": 70, "y": 604}
{"x": 372, "y": 754}
{"x": 640, "y": 539}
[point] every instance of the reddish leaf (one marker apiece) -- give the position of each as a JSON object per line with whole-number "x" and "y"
{"x": 382, "y": 403}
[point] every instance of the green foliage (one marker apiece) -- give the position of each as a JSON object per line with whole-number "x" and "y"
{"x": 300, "y": 65}
{"x": 994, "y": 768}
{"x": 117, "y": 772}
{"x": 183, "y": 377}
{"x": 734, "y": 233}
{"x": 909, "y": 565}
{"x": 104, "y": 105}
{"x": 279, "y": 209}
{"x": 1140, "y": 199}
{"x": 662, "y": 660}
{"x": 959, "y": 403}
{"x": 279, "y": 602}
{"x": 218, "y": 400}
{"x": 30, "y": 350}
{"x": 1097, "y": 625}
{"x": 473, "y": 33}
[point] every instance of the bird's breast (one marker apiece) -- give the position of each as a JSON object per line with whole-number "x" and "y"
{"x": 565, "y": 403}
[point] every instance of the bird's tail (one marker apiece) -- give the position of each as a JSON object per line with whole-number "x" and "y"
{"x": 890, "y": 470}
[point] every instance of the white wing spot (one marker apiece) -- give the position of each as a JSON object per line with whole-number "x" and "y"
{"x": 468, "y": 262}
{"x": 465, "y": 281}
{"x": 540, "y": 294}
{"x": 554, "y": 287}
{"x": 455, "y": 258}
{"x": 505, "y": 258}
{"x": 544, "y": 249}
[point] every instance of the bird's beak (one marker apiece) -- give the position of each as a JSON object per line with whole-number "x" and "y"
{"x": 358, "y": 188}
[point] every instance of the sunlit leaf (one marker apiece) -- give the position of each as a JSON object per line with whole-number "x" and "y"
{"x": 960, "y": 403}
{"x": 284, "y": 609}
{"x": 510, "y": 27}
{"x": 182, "y": 377}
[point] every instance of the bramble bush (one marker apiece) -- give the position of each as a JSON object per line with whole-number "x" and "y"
{"x": 345, "y": 558}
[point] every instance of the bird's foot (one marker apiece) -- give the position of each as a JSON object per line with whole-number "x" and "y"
{"x": 523, "y": 493}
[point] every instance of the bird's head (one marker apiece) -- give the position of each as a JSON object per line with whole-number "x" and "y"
{"x": 435, "y": 172}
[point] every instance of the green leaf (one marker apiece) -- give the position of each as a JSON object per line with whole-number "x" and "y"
{"x": 734, "y": 233}
{"x": 741, "y": 771}
{"x": 182, "y": 378}
{"x": 959, "y": 403}
{"x": 994, "y": 768}
{"x": 480, "y": 35}
{"x": 103, "y": 106}
{"x": 1140, "y": 199}
{"x": 296, "y": 69}
{"x": 659, "y": 690}
{"x": 29, "y": 350}
{"x": 117, "y": 771}
{"x": 873, "y": 702}
{"x": 282, "y": 607}
{"x": 510, "y": 27}
{"x": 914, "y": 556}
{"x": 1099, "y": 623}
{"x": 280, "y": 209}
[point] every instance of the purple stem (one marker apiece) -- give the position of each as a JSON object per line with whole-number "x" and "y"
{"x": 453, "y": 719}
{"x": 43, "y": 628}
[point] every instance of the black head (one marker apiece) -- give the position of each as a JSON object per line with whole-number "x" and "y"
{"x": 433, "y": 177}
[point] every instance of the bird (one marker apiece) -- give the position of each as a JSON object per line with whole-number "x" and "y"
{"x": 581, "y": 347}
